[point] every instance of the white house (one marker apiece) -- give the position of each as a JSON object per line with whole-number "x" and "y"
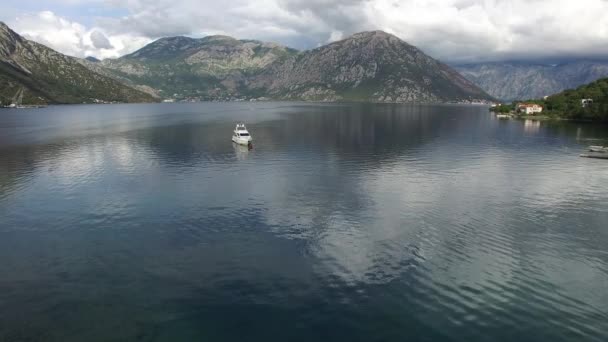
{"x": 529, "y": 108}
{"x": 586, "y": 102}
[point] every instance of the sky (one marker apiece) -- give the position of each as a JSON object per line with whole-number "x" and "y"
{"x": 454, "y": 31}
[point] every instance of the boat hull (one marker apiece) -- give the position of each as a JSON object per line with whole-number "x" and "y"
{"x": 241, "y": 140}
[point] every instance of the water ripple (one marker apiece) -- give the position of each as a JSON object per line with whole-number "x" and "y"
{"x": 373, "y": 222}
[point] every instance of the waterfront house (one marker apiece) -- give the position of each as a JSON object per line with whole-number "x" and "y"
{"x": 586, "y": 103}
{"x": 529, "y": 108}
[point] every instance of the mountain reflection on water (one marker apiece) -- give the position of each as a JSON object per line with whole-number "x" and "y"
{"x": 344, "y": 222}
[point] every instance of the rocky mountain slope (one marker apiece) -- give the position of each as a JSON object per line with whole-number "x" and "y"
{"x": 207, "y": 68}
{"x": 373, "y": 66}
{"x": 51, "y": 77}
{"x": 369, "y": 66}
{"x": 520, "y": 81}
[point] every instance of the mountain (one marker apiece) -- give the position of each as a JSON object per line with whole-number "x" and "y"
{"x": 369, "y": 66}
{"x": 519, "y": 80}
{"x": 374, "y": 66}
{"x": 47, "y": 76}
{"x": 92, "y": 59}
{"x": 207, "y": 68}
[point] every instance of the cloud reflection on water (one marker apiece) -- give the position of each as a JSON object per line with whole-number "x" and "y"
{"x": 441, "y": 205}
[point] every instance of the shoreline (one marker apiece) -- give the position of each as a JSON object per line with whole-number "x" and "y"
{"x": 547, "y": 118}
{"x": 477, "y": 104}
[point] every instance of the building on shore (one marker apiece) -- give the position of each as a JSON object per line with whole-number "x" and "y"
{"x": 586, "y": 103}
{"x": 529, "y": 108}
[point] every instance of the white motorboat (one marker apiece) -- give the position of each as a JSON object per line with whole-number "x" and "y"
{"x": 241, "y": 135}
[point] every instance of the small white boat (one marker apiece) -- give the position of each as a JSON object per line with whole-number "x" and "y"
{"x": 241, "y": 135}
{"x": 601, "y": 149}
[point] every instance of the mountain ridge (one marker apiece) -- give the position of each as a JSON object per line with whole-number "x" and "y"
{"x": 518, "y": 80}
{"x": 48, "y": 76}
{"x": 379, "y": 63}
{"x": 367, "y": 66}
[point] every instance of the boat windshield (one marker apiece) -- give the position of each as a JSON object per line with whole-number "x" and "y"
{"x": 244, "y": 134}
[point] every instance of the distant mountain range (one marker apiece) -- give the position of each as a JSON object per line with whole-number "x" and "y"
{"x": 368, "y": 66}
{"x": 521, "y": 80}
{"x": 46, "y": 76}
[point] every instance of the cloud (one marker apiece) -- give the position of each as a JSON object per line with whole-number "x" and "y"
{"x": 470, "y": 30}
{"x": 334, "y": 36}
{"x": 48, "y": 29}
{"x": 73, "y": 38}
{"x": 451, "y": 30}
{"x": 100, "y": 41}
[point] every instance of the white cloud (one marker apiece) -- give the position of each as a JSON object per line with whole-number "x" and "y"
{"x": 498, "y": 29}
{"x": 100, "y": 41}
{"x": 452, "y": 30}
{"x": 74, "y": 39}
{"x": 334, "y": 36}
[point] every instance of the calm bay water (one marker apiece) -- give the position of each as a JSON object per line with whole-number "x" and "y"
{"x": 349, "y": 222}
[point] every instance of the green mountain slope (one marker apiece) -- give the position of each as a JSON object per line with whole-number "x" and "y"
{"x": 568, "y": 103}
{"x": 207, "y": 68}
{"x": 51, "y": 77}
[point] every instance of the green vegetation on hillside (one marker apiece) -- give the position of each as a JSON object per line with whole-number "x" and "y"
{"x": 568, "y": 104}
{"x": 504, "y": 108}
{"x": 76, "y": 84}
{"x": 9, "y": 87}
{"x": 214, "y": 67}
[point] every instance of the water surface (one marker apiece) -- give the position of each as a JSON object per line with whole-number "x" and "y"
{"x": 345, "y": 222}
